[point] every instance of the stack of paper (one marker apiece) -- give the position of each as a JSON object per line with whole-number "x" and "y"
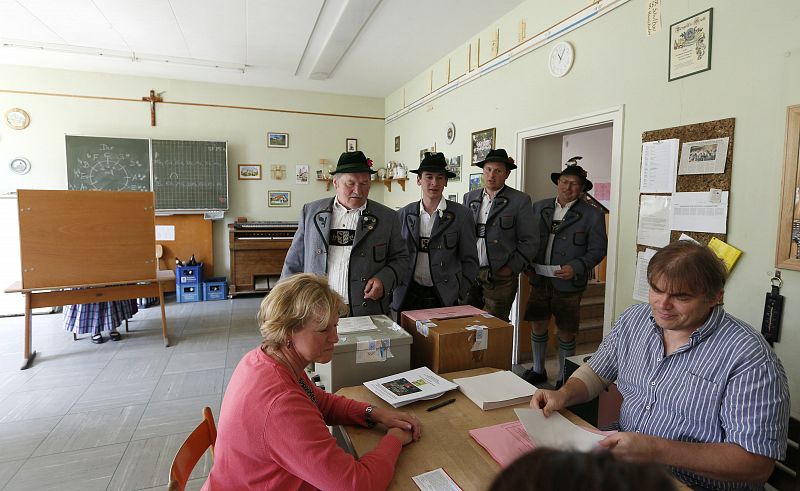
{"x": 349, "y": 325}
{"x": 411, "y": 386}
{"x": 505, "y": 442}
{"x": 497, "y": 389}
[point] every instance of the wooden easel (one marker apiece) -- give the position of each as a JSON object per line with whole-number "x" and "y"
{"x": 84, "y": 247}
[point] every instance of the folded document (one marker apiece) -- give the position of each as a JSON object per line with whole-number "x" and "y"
{"x": 411, "y": 386}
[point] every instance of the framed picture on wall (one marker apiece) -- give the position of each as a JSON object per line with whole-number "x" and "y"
{"x": 301, "y": 174}
{"x": 454, "y": 166}
{"x": 432, "y": 149}
{"x": 249, "y": 172}
{"x": 281, "y": 199}
{"x": 690, "y": 45}
{"x": 452, "y": 197}
{"x": 277, "y": 140}
{"x": 351, "y": 145}
{"x": 397, "y": 143}
{"x": 475, "y": 181}
{"x": 482, "y": 142}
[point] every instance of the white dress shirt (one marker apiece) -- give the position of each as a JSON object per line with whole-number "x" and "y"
{"x": 483, "y": 215}
{"x": 422, "y": 270}
{"x": 558, "y": 215}
{"x": 339, "y": 256}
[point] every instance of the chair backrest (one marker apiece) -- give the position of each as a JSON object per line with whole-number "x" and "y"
{"x": 201, "y": 439}
{"x": 786, "y": 475}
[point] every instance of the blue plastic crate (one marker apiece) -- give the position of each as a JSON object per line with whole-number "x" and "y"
{"x": 190, "y": 293}
{"x": 215, "y": 289}
{"x": 189, "y": 274}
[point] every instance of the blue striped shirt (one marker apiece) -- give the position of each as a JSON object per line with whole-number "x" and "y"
{"x": 725, "y": 385}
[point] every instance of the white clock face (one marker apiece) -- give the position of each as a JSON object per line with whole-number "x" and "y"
{"x": 561, "y": 58}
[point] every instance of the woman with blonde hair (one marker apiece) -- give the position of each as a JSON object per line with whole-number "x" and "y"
{"x": 272, "y": 431}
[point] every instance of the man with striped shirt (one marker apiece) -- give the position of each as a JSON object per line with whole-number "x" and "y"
{"x": 703, "y": 391}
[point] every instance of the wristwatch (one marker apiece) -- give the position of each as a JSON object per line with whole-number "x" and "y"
{"x": 368, "y": 416}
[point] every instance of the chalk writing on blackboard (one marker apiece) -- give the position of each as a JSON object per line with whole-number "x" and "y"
{"x": 190, "y": 175}
{"x": 107, "y": 164}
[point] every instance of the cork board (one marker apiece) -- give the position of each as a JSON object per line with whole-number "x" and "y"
{"x": 720, "y": 128}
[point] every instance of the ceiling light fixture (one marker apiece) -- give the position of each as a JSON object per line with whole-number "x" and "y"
{"x": 124, "y": 55}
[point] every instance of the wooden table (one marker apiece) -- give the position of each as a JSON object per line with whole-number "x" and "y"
{"x": 445, "y": 438}
{"x": 91, "y": 293}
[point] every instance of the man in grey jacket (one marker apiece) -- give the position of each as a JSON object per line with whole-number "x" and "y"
{"x": 352, "y": 240}
{"x": 505, "y": 233}
{"x": 572, "y": 235}
{"x": 440, "y": 236}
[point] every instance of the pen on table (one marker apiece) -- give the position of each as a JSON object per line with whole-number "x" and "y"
{"x": 441, "y": 404}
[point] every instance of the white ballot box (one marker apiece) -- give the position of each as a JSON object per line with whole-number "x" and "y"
{"x": 369, "y": 347}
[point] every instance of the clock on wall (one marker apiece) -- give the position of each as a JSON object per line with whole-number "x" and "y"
{"x": 561, "y": 58}
{"x": 17, "y": 118}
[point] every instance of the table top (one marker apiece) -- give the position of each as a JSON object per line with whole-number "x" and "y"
{"x": 445, "y": 438}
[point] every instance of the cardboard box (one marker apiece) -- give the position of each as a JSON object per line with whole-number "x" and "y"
{"x": 448, "y": 339}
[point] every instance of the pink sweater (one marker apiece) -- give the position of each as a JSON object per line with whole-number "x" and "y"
{"x": 271, "y": 436}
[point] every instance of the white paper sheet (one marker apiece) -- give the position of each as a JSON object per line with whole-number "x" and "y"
{"x": 641, "y": 288}
{"x": 556, "y": 431}
{"x": 481, "y": 337}
{"x": 653, "y": 221}
{"x": 694, "y": 212}
{"x": 659, "y": 160}
{"x": 704, "y": 157}
{"x": 373, "y": 350}
{"x": 348, "y": 325}
{"x": 165, "y": 232}
{"x": 435, "y": 480}
{"x": 548, "y": 270}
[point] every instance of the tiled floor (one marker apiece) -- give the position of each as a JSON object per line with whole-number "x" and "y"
{"x": 112, "y": 416}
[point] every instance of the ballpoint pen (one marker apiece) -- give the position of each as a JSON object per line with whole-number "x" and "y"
{"x": 441, "y": 404}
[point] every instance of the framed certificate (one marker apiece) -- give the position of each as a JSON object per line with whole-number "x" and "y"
{"x": 690, "y": 45}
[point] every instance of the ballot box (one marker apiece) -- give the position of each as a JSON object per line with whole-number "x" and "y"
{"x": 369, "y": 347}
{"x": 450, "y": 339}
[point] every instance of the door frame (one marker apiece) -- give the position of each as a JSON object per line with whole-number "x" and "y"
{"x": 615, "y": 116}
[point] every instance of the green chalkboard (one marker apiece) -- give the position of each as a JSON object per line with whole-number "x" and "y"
{"x": 108, "y": 164}
{"x": 190, "y": 175}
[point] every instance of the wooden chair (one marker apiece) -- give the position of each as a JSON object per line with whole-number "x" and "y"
{"x": 192, "y": 450}
{"x": 786, "y": 476}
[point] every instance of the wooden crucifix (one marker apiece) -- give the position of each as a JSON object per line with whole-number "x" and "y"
{"x": 152, "y": 100}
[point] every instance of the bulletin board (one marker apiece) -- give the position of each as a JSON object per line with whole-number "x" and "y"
{"x": 721, "y": 128}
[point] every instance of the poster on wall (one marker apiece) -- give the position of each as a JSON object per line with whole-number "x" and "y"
{"x": 301, "y": 174}
{"x": 482, "y": 142}
{"x": 690, "y": 45}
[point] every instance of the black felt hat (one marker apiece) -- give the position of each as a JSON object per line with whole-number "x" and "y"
{"x": 434, "y": 162}
{"x": 353, "y": 162}
{"x": 573, "y": 169}
{"x": 498, "y": 155}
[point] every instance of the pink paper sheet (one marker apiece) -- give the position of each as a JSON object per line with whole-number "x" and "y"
{"x": 504, "y": 442}
{"x": 443, "y": 312}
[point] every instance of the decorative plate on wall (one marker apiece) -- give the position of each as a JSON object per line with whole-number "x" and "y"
{"x": 20, "y": 165}
{"x": 450, "y": 132}
{"x": 17, "y": 118}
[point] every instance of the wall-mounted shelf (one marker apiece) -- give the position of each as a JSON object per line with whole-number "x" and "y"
{"x": 386, "y": 182}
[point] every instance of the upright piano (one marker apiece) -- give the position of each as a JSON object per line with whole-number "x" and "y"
{"x": 257, "y": 251}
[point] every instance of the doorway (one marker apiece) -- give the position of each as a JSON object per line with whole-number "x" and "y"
{"x": 597, "y": 137}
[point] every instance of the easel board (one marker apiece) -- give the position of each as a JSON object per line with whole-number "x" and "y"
{"x": 78, "y": 238}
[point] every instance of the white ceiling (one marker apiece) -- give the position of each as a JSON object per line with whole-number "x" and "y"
{"x": 359, "y": 47}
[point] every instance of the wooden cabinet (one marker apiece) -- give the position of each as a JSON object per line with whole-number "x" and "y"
{"x": 257, "y": 251}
